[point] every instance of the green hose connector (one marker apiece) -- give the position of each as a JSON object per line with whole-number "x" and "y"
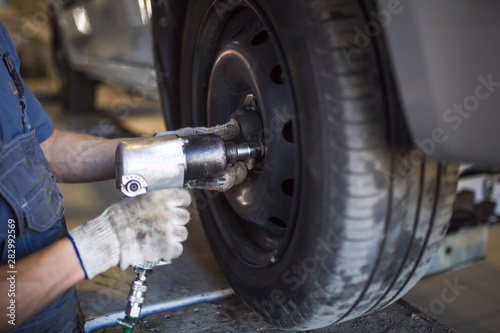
{"x": 130, "y": 330}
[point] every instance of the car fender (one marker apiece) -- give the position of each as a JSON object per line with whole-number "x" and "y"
{"x": 444, "y": 57}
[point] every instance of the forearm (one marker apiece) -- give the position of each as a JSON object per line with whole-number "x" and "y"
{"x": 75, "y": 157}
{"x": 40, "y": 278}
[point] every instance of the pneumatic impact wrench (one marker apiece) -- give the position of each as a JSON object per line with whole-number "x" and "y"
{"x": 172, "y": 161}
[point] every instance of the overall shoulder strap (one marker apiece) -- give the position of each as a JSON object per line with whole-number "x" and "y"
{"x": 10, "y": 63}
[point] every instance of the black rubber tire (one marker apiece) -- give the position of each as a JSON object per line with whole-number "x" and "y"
{"x": 167, "y": 35}
{"x": 371, "y": 209}
{"x": 77, "y": 92}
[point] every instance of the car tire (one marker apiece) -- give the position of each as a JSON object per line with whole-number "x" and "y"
{"x": 342, "y": 215}
{"x": 77, "y": 91}
{"x": 167, "y": 34}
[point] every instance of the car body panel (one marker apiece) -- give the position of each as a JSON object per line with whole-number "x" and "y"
{"x": 111, "y": 40}
{"x": 445, "y": 57}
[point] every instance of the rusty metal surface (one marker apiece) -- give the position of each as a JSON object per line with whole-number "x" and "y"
{"x": 460, "y": 249}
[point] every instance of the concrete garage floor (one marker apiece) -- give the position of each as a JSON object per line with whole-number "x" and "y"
{"x": 196, "y": 276}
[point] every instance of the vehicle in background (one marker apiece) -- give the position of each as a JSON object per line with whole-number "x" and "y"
{"x": 108, "y": 41}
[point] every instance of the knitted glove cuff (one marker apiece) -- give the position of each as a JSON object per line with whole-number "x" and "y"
{"x": 96, "y": 244}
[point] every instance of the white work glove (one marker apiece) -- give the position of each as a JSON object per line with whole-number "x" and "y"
{"x": 234, "y": 175}
{"x": 147, "y": 228}
{"x": 227, "y": 131}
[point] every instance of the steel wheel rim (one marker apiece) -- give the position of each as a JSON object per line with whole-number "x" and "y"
{"x": 255, "y": 219}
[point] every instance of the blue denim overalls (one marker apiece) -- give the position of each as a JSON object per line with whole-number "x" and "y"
{"x": 27, "y": 185}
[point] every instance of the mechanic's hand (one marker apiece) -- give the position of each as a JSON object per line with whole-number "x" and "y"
{"x": 146, "y": 228}
{"x": 226, "y": 131}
